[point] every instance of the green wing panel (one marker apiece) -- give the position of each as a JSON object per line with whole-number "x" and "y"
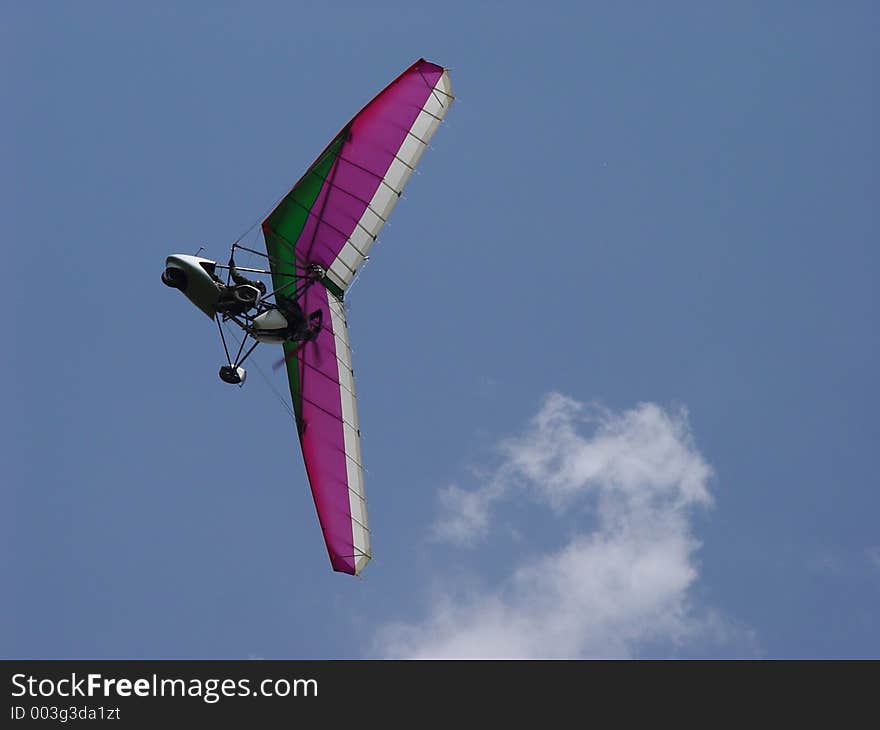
{"x": 281, "y": 230}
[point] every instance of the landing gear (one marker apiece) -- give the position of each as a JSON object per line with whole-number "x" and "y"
{"x": 242, "y": 301}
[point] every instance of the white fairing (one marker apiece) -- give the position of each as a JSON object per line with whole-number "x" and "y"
{"x": 199, "y": 288}
{"x": 270, "y": 327}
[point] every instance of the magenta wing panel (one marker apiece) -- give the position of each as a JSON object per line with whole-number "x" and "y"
{"x": 322, "y": 435}
{"x": 373, "y": 139}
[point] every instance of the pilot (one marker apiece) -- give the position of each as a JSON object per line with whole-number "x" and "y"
{"x": 241, "y": 280}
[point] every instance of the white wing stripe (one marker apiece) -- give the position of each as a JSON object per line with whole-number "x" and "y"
{"x": 351, "y": 435}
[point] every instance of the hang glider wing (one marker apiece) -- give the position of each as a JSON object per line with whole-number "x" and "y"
{"x": 331, "y": 218}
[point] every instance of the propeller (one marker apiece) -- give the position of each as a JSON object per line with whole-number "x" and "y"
{"x": 316, "y": 324}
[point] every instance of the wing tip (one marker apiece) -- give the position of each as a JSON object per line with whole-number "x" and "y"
{"x": 349, "y": 564}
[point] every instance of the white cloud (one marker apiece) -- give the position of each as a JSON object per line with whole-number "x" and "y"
{"x": 621, "y": 585}
{"x": 466, "y": 514}
{"x": 631, "y": 461}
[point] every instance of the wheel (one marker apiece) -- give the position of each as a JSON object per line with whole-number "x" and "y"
{"x": 175, "y": 278}
{"x": 231, "y": 375}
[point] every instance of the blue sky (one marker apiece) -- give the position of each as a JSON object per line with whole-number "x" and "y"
{"x": 644, "y": 241}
